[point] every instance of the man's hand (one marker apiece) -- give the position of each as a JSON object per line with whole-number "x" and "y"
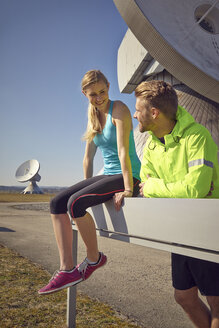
{"x": 118, "y": 198}
{"x": 141, "y": 186}
{"x": 211, "y": 189}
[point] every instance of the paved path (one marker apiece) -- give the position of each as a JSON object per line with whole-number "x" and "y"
{"x": 136, "y": 281}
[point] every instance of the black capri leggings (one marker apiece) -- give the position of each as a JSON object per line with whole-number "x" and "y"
{"x": 87, "y": 193}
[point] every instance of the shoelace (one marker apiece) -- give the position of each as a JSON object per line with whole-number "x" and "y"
{"x": 83, "y": 266}
{"x": 55, "y": 274}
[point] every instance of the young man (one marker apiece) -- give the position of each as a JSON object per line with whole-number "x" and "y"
{"x": 180, "y": 161}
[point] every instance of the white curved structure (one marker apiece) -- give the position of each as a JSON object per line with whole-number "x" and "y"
{"x": 183, "y": 36}
{"x": 134, "y": 64}
{"x": 132, "y": 61}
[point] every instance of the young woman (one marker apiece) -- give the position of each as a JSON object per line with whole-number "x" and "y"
{"x": 110, "y": 128}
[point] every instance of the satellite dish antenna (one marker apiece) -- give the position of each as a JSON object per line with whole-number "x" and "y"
{"x": 28, "y": 171}
{"x": 185, "y": 40}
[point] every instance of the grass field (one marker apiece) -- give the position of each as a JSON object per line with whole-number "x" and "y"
{"x": 21, "y": 198}
{"x": 21, "y": 306}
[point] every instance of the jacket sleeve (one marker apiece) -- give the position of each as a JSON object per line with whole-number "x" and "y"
{"x": 147, "y": 169}
{"x": 197, "y": 181}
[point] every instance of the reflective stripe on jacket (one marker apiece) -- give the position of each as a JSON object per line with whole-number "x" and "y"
{"x": 185, "y": 166}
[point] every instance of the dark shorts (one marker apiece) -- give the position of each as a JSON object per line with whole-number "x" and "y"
{"x": 188, "y": 272}
{"x": 90, "y": 192}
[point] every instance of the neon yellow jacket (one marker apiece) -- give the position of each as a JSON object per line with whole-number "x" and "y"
{"x": 183, "y": 167}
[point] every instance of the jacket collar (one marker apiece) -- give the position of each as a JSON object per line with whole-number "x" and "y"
{"x": 184, "y": 119}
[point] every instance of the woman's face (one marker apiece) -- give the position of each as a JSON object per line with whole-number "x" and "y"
{"x": 97, "y": 94}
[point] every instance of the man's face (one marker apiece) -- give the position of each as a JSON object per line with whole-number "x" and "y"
{"x": 143, "y": 115}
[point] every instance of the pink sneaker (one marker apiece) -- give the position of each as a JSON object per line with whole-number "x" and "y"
{"x": 61, "y": 280}
{"x": 86, "y": 269}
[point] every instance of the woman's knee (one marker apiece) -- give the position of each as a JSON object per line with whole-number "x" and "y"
{"x": 53, "y": 205}
{"x": 75, "y": 207}
{"x": 57, "y": 205}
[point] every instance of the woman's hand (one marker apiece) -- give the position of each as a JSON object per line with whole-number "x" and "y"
{"x": 119, "y": 196}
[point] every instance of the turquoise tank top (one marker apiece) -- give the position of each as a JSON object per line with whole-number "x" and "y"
{"x": 107, "y": 143}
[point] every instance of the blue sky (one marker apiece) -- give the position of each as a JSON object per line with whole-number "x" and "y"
{"x": 46, "y": 48}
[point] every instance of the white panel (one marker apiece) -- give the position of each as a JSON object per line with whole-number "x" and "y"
{"x": 184, "y": 226}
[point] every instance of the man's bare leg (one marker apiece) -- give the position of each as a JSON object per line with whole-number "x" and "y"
{"x": 197, "y": 311}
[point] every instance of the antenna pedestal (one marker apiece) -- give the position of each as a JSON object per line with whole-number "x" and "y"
{"x": 32, "y": 188}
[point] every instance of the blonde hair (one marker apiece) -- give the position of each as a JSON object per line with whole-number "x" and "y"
{"x": 93, "y": 124}
{"x": 159, "y": 94}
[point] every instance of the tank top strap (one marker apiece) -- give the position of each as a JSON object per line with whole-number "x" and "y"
{"x": 111, "y": 108}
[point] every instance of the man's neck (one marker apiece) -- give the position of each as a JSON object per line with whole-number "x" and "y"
{"x": 165, "y": 129}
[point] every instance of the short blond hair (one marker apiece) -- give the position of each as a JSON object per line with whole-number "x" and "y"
{"x": 159, "y": 94}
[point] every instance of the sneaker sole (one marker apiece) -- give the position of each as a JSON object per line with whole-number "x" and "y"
{"x": 60, "y": 288}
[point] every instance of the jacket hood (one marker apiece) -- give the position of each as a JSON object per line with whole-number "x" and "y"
{"x": 184, "y": 119}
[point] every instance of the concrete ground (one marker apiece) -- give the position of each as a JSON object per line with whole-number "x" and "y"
{"x": 136, "y": 281}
